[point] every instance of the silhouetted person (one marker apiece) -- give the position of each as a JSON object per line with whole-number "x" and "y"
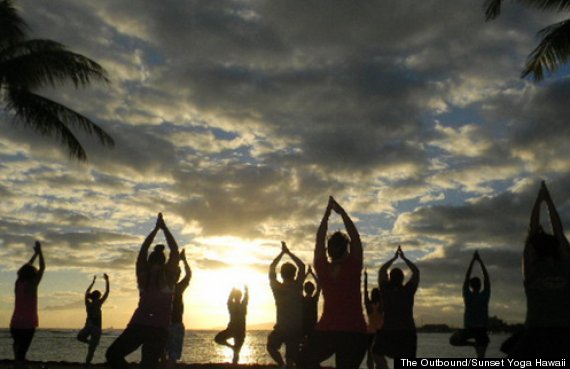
{"x": 91, "y": 332}
{"x": 476, "y": 314}
{"x": 341, "y": 329}
{"x": 398, "y": 338}
{"x": 289, "y": 303}
{"x": 375, "y": 314}
{"x": 177, "y": 329}
{"x": 237, "y": 307}
{"x": 546, "y": 263}
{"x": 310, "y": 304}
{"x": 148, "y": 327}
{"x": 25, "y": 317}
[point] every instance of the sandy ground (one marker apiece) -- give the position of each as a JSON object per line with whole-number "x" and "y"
{"x": 8, "y": 364}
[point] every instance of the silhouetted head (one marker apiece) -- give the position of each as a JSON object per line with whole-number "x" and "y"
{"x": 337, "y": 246}
{"x": 157, "y": 256}
{"x": 396, "y": 277}
{"x": 27, "y": 272}
{"x": 309, "y": 288}
{"x": 236, "y": 294}
{"x": 288, "y": 271}
{"x": 375, "y": 295}
{"x": 95, "y": 295}
{"x": 544, "y": 244}
{"x": 475, "y": 284}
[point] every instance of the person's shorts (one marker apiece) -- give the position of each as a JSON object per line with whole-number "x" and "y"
{"x": 175, "y": 341}
{"x": 461, "y": 337}
{"x": 396, "y": 343}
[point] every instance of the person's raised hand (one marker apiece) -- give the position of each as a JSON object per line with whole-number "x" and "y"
{"x": 106, "y": 277}
{"x": 37, "y": 247}
{"x": 160, "y": 221}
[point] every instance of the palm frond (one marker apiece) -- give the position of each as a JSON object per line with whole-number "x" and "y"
{"x": 492, "y": 9}
{"x": 552, "y": 51}
{"x": 52, "y": 119}
{"x": 36, "y": 63}
{"x": 557, "y": 5}
{"x": 12, "y": 26}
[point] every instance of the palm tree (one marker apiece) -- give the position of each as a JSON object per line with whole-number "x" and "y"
{"x": 29, "y": 64}
{"x": 554, "y": 47}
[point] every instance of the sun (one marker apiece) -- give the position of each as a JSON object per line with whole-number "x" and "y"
{"x": 209, "y": 291}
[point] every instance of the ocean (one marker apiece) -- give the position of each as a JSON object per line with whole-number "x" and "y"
{"x": 199, "y": 347}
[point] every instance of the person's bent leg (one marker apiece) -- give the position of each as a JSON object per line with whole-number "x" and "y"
{"x": 154, "y": 341}
{"x": 319, "y": 347}
{"x": 274, "y": 342}
{"x": 126, "y": 343}
{"x": 222, "y": 338}
{"x": 459, "y": 338}
{"x": 351, "y": 349}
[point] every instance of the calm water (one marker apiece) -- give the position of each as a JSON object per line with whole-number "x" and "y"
{"x": 199, "y": 347}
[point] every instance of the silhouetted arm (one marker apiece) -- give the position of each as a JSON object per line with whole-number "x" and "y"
{"x": 273, "y": 266}
{"x": 88, "y": 290}
{"x": 320, "y": 248}
{"x": 554, "y": 217}
{"x": 107, "y": 289}
{"x": 245, "y": 299}
{"x": 187, "y": 271}
{"x": 42, "y": 267}
{"x": 366, "y": 295}
{"x": 317, "y": 284}
{"x": 298, "y": 262}
{"x": 535, "y": 213}
{"x": 355, "y": 243}
{"x": 383, "y": 272}
{"x": 173, "y": 257}
{"x": 486, "y": 279}
{"x": 468, "y": 274}
{"x": 415, "y": 279}
{"x": 142, "y": 263}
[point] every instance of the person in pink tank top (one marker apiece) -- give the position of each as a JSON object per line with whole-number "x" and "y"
{"x": 149, "y": 324}
{"x": 25, "y": 318}
{"x": 341, "y": 329}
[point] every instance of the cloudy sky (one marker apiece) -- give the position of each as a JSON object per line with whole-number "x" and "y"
{"x": 238, "y": 118}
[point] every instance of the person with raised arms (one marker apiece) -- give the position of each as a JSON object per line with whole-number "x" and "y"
{"x": 341, "y": 330}
{"x": 288, "y": 296}
{"x": 546, "y": 274}
{"x": 237, "y": 308}
{"x": 25, "y": 317}
{"x": 148, "y": 327}
{"x": 91, "y": 332}
{"x": 476, "y": 314}
{"x": 398, "y": 338}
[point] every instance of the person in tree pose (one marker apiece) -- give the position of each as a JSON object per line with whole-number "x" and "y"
{"x": 341, "y": 329}
{"x": 148, "y": 327}
{"x": 310, "y": 304}
{"x": 91, "y": 332}
{"x": 289, "y": 302}
{"x": 546, "y": 263}
{"x": 398, "y": 338}
{"x": 476, "y": 314}
{"x": 237, "y": 307}
{"x": 25, "y": 317}
{"x": 177, "y": 329}
{"x": 375, "y": 314}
